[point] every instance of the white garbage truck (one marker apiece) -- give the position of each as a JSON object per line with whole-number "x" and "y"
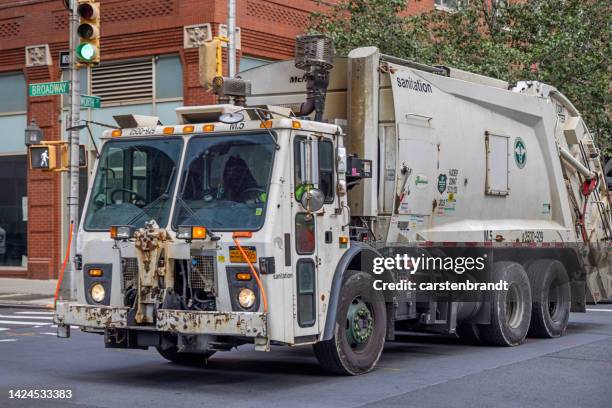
{"x": 307, "y": 213}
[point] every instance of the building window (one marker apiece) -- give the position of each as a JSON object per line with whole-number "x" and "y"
{"x": 168, "y": 78}
{"x": 13, "y": 210}
{"x": 247, "y": 62}
{"x": 13, "y": 118}
{"x": 14, "y": 85}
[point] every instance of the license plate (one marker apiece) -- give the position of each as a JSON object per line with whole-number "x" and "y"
{"x": 236, "y": 255}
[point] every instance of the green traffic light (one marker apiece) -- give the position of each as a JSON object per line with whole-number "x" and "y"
{"x": 86, "y": 51}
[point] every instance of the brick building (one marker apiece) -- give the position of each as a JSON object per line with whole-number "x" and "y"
{"x": 149, "y": 66}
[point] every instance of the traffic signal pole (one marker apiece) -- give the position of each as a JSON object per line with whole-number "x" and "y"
{"x": 231, "y": 34}
{"x": 75, "y": 116}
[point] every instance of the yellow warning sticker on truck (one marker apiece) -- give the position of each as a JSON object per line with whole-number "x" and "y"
{"x": 236, "y": 255}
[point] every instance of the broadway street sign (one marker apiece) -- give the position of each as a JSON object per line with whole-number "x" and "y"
{"x": 49, "y": 88}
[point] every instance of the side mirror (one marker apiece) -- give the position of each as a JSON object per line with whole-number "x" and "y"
{"x": 312, "y": 200}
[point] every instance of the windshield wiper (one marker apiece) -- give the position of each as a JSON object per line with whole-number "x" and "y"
{"x": 179, "y": 200}
{"x": 163, "y": 197}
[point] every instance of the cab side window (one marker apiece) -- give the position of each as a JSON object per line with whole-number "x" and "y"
{"x": 326, "y": 169}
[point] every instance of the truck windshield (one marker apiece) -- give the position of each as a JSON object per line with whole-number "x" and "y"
{"x": 225, "y": 181}
{"x": 134, "y": 182}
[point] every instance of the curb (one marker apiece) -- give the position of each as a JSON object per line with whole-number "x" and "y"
{"x": 24, "y": 305}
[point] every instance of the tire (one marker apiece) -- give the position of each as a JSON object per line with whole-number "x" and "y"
{"x": 355, "y": 350}
{"x": 187, "y": 359}
{"x": 511, "y": 309}
{"x": 551, "y": 298}
{"x": 469, "y": 334}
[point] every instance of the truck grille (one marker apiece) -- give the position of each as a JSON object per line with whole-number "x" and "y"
{"x": 129, "y": 272}
{"x": 202, "y": 272}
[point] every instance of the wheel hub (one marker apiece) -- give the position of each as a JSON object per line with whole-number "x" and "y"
{"x": 360, "y": 323}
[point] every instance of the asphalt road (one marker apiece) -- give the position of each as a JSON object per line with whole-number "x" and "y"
{"x": 420, "y": 371}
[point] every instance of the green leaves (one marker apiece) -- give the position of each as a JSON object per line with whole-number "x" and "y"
{"x": 565, "y": 43}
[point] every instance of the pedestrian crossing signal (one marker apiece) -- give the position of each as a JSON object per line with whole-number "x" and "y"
{"x": 43, "y": 157}
{"x": 54, "y": 156}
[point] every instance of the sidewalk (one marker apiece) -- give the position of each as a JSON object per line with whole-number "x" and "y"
{"x": 27, "y": 292}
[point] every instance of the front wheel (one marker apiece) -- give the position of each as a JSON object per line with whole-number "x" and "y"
{"x": 359, "y": 331}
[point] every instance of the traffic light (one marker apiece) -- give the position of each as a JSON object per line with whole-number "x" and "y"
{"x": 88, "y": 49}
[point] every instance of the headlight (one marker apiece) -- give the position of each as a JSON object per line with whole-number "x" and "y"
{"x": 189, "y": 232}
{"x": 97, "y": 292}
{"x": 123, "y": 232}
{"x": 246, "y": 298}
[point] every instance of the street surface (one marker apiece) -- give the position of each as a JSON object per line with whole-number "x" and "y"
{"x": 417, "y": 370}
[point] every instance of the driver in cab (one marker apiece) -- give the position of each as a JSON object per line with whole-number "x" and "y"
{"x": 238, "y": 180}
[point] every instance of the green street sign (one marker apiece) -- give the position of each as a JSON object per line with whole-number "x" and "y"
{"x": 49, "y": 88}
{"x": 89, "y": 101}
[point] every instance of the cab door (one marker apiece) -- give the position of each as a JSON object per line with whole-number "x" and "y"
{"x": 316, "y": 235}
{"x": 305, "y": 237}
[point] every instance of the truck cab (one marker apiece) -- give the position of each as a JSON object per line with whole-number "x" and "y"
{"x": 203, "y": 236}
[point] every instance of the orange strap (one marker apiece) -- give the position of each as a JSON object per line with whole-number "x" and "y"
{"x": 261, "y": 288}
{"x": 61, "y": 276}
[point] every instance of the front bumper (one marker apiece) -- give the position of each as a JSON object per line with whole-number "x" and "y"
{"x": 244, "y": 324}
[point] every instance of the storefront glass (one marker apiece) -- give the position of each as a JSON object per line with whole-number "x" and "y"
{"x": 13, "y": 211}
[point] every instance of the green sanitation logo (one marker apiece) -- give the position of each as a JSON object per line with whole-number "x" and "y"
{"x": 442, "y": 183}
{"x": 520, "y": 153}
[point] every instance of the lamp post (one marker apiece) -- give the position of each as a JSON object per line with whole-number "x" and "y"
{"x": 33, "y": 134}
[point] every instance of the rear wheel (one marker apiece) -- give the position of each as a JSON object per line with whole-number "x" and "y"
{"x": 192, "y": 359}
{"x": 510, "y": 309}
{"x": 551, "y": 298}
{"x": 359, "y": 330}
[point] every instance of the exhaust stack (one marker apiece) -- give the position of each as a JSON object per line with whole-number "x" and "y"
{"x": 314, "y": 54}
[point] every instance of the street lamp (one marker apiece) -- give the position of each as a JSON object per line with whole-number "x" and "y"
{"x": 33, "y": 134}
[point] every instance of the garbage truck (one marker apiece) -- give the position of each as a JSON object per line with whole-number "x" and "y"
{"x": 306, "y": 213}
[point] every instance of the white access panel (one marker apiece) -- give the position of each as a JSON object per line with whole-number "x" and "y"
{"x": 497, "y": 165}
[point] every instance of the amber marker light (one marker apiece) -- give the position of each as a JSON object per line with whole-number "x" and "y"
{"x": 198, "y": 233}
{"x": 96, "y": 272}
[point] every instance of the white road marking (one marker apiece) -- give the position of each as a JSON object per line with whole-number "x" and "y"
{"x": 26, "y": 317}
{"x": 36, "y": 313}
{"x": 24, "y": 323}
{"x": 49, "y": 333}
{"x": 3, "y": 329}
{"x": 7, "y": 340}
{"x": 599, "y": 310}
{"x": 10, "y": 295}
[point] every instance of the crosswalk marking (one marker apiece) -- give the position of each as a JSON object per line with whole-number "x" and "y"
{"x": 35, "y": 313}
{"x": 7, "y": 340}
{"x": 26, "y": 317}
{"x": 17, "y": 322}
